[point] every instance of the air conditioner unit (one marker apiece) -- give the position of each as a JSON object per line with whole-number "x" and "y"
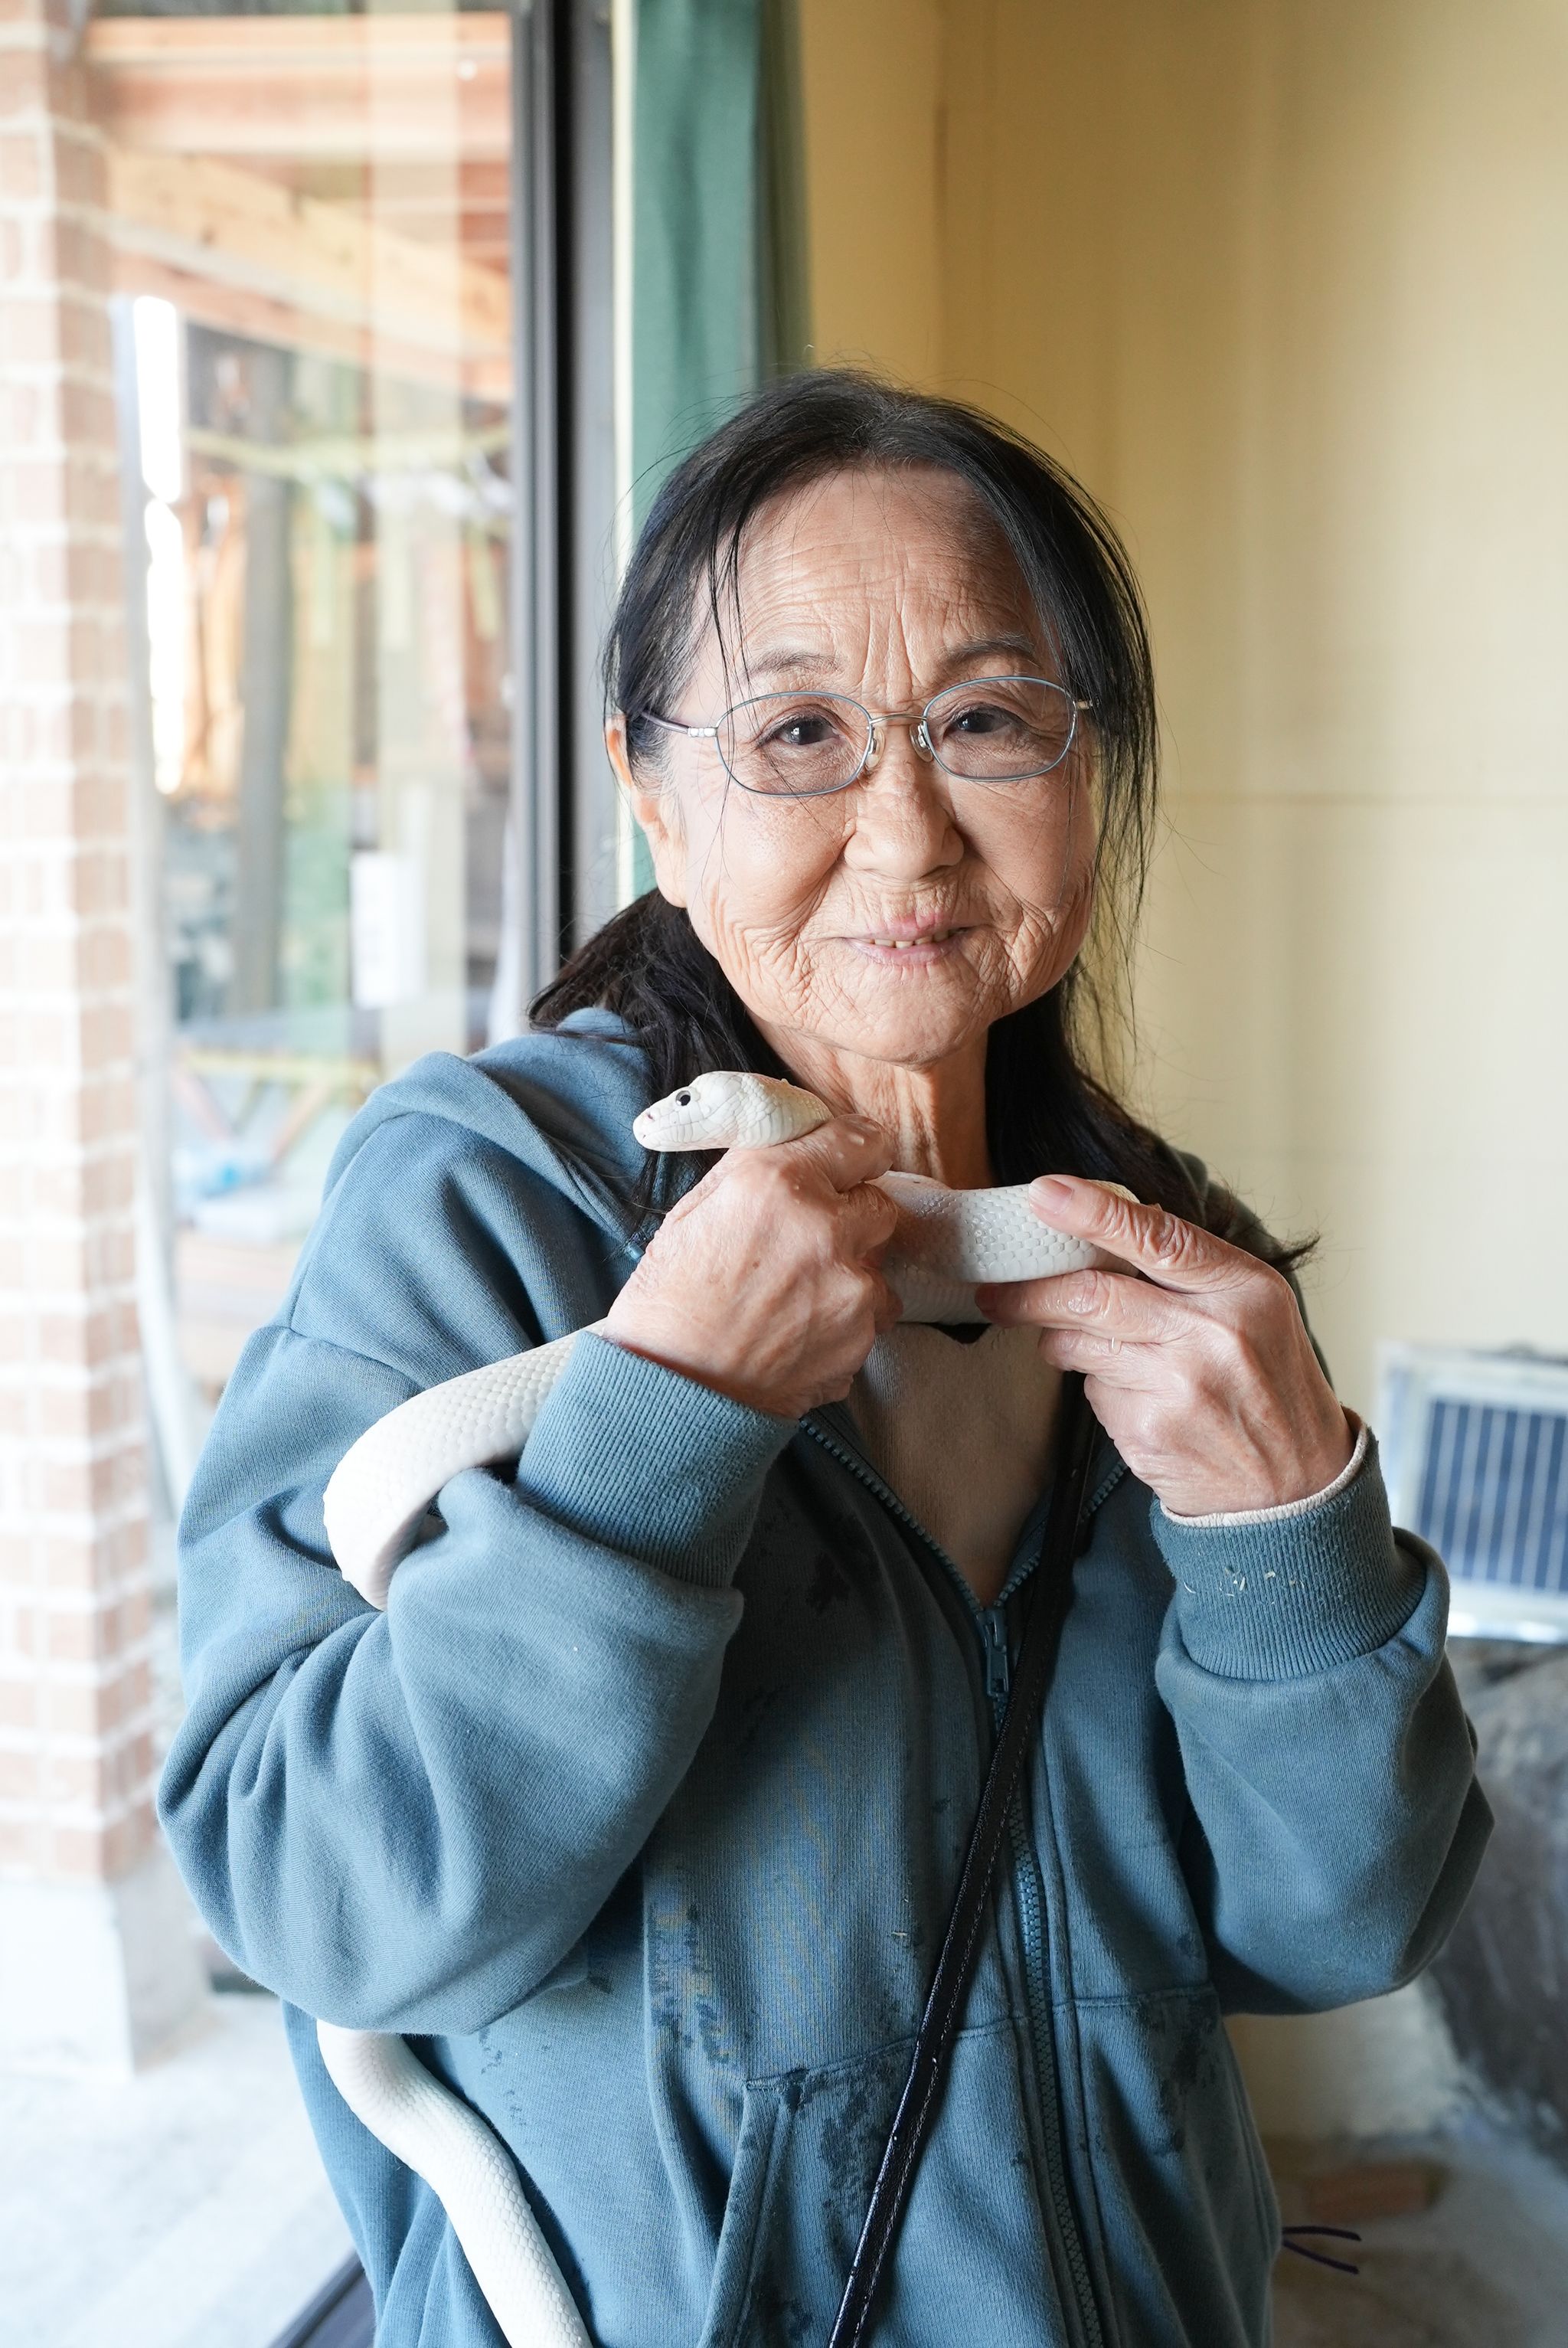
{"x": 1475, "y": 1454}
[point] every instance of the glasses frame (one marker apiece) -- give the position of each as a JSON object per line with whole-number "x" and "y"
{"x": 878, "y": 722}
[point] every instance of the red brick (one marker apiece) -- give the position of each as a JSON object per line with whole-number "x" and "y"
{"x": 22, "y": 164}
{"x": 23, "y": 1845}
{"x": 24, "y": 85}
{"x": 18, "y": 1703}
{"x": 19, "y": 1775}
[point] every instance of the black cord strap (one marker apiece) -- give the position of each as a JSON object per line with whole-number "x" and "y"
{"x": 945, "y": 2003}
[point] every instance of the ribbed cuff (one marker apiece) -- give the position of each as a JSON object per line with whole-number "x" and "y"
{"x": 636, "y": 1456}
{"x": 1281, "y": 1597}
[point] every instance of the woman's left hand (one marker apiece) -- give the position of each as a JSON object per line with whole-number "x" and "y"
{"x": 1200, "y": 1371}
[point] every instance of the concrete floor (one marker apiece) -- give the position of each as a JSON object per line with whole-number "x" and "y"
{"x": 1485, "y": 2266}
{"x": 185, "y": 2208}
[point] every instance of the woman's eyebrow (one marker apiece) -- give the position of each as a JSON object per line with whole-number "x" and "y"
{"x": 1015, "y": 647}
{"x": 788, "y": 660}
{"x": 800, "y": 664}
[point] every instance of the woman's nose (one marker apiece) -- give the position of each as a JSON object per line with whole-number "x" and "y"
{"x": 902, "y": 818}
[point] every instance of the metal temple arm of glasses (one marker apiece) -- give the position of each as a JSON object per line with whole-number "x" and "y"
{"x": 673, "y": 726}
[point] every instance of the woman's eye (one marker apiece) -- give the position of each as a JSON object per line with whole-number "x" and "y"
{"x": 808, "y": 731}
{"x": 980, "y": 717}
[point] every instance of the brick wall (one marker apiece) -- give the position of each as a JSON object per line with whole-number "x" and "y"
{"x": 76, "y": 1747}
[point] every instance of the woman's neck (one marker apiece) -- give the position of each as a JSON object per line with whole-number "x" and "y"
{"x": 935, "y": 1117}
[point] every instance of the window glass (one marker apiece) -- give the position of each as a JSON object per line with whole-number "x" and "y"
{"x": 310, "y": 216}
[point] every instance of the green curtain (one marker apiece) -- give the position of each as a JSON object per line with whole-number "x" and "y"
{"x": 718, "y": 301}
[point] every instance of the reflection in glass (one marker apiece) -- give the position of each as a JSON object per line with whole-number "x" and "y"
{"x": 322, "y": 340}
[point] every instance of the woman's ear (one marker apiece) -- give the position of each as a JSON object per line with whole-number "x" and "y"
{"x": 656, "y": 811}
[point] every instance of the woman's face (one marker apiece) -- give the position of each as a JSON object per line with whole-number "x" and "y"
{"x": 886, "y": 586}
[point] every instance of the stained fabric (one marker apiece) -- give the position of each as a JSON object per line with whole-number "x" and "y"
{"x": 641, "y": 1807}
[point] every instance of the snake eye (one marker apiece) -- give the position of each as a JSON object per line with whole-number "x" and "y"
{"x": 683, "y": 1100}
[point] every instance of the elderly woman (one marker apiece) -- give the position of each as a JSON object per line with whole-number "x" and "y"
{"x": 642, "y": 1806}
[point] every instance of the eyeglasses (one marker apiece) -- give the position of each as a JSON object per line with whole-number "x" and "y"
{"x": 989, "y": 730}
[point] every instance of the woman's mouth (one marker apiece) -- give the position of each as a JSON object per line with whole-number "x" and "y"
{"x": 917, "y": 945}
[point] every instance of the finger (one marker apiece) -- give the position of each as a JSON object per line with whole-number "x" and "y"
{"x": 1109, "y": 1302}
{"x": 1167, "y": 1251}
{"x": 887, "y": 1308}
{"x": 867, "y": 1219}
{"x": 848, "y": 1150}
{"x": 1115, "y": 1361}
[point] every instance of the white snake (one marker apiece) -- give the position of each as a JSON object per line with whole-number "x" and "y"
{"x": 944, "y": 1242}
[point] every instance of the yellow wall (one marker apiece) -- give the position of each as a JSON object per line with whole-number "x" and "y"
{"x": 1286, "y": 282}
{"x": 870, "y": 75}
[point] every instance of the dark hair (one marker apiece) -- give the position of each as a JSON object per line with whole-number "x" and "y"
{"x": 1046, "y": 1107}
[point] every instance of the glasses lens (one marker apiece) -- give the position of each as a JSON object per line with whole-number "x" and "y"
{"x": 794, "y": 745}
{"x": 1001, "y": 729}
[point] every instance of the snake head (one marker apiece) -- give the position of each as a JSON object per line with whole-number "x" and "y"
{"x": 729, "y": 1110}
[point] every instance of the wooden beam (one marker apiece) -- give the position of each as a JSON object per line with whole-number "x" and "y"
{"x": 209, "y": 219}
{"x": 260, "y": 319}
{"x": 354, "y": 88}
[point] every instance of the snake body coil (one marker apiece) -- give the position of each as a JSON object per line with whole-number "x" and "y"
{"x": 946, "y": 1242}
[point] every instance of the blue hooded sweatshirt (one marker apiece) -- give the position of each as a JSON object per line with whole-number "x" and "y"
{"x": 640, "y": 1808}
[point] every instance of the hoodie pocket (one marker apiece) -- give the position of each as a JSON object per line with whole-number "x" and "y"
{"x": 970, "y": 2256}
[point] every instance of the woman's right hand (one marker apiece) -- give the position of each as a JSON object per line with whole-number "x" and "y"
{"x": 762, "y": 1281}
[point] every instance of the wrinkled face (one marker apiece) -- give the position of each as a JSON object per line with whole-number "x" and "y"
{"x": 897, "y": 919}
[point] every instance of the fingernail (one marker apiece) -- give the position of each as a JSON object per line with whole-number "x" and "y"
{"x": 1046, "y": 1193}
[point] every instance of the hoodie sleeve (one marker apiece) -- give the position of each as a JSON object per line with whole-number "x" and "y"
{"x": 1337, "y": 1823}
{"x": 403, "y": 1821}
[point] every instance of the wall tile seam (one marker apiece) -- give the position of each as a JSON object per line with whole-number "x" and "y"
{"x": 55, "y": 1588}
{"x": 49, "y": 851}
{"x": 79, "y": 1818}
{"x": 69, "y": 456}
{"x": 31, "y": 1592}
{"x": 63, "y": 452}
{"x": 53, "y": 1677}
{"x": 36, "y": 1515}
{"x": 44, "y": 372}
{"x": 80, "y": 212}
{"x": 106, "y": 1717}
{"x": 49, "y": 1171}
{"x": 79, "y": 1744}
{"x": 88, "y": 1001}
{"x": 36, "y": 1079}
{"x": 125, "y": 1765}
{"x": 77, "y": 1412}
{"x": 55, "y": 287}
{"x": 122, "y": 1734}
{"x": 62, "y": 611}
{"x": 121, "y": 1783}
{"x": 126, "y": 1747}
{"x": 73, "y": 1451}
{"x": 117, "y": 1379}
{"x": 97, "y": 999}
{"x": 91, "y": 1202}
{"x": 92, "y": 1675}
{"x": 53, "y": 1230}
{"x": 90, "y": 1228}
{"x": 38, "y": 1586}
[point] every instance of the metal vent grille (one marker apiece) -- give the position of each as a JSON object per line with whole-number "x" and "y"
{"x": 1476, "y": 1455}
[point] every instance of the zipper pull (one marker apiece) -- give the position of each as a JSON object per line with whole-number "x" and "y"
{"x": 993, "y": 1629}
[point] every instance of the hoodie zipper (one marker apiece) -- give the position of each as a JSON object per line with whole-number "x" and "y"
{"x": 1028, "y": 1903}
{"x": 1029, "y": 1893}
